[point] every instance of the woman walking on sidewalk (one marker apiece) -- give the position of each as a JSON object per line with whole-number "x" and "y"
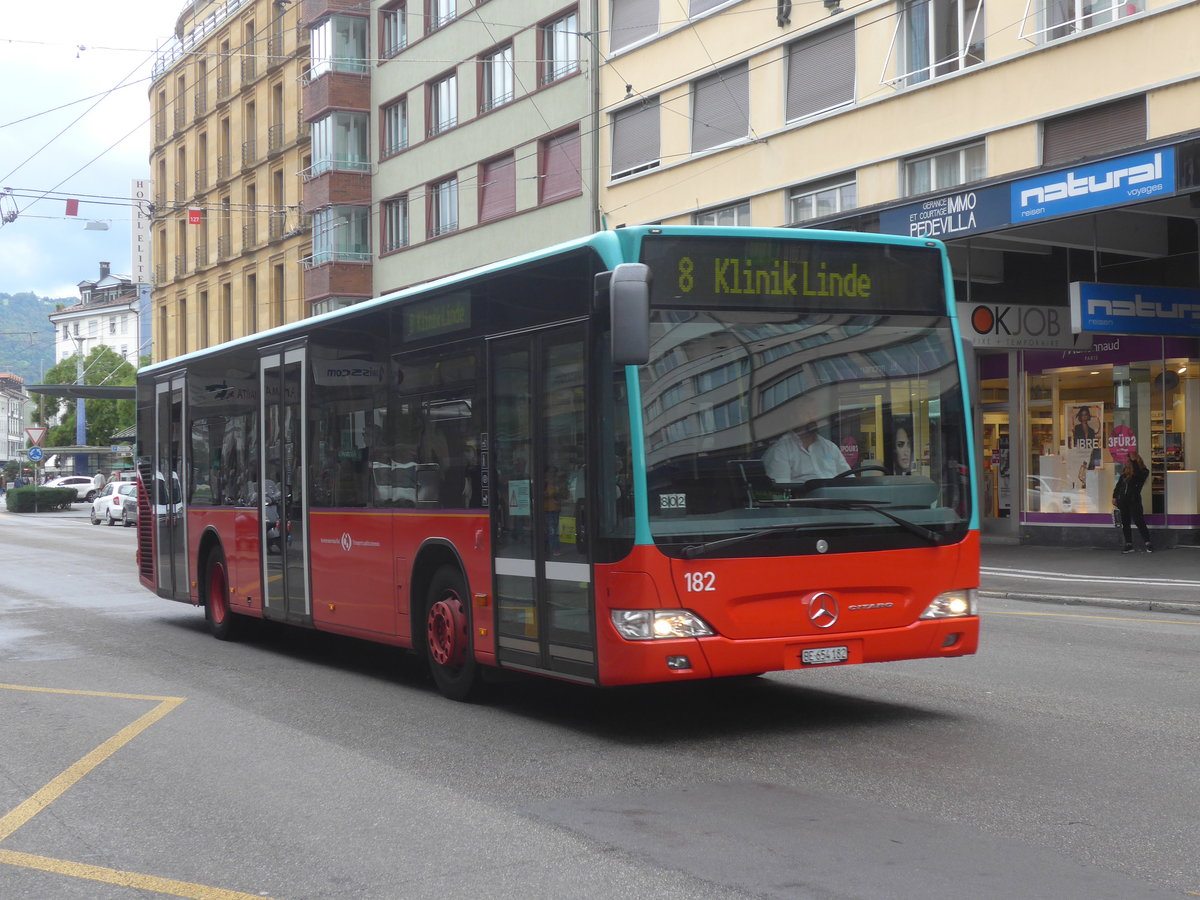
{"x": 1127, "y": 497}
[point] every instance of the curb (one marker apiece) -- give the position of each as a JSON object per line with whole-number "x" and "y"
{"x": 1159, "y": 606}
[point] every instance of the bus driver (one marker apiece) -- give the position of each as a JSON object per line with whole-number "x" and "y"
{"x": 801, "y": 453}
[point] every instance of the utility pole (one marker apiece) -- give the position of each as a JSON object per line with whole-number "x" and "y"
{"x": 80, "y": 408}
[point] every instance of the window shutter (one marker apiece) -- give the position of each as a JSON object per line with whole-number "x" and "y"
{"x": 721, "y": 108}
{"x": 821, "y": 72}
{"x": 635, "y": 137}
{"x": 631, "y": 21}
{"x": 498, "y": 188}
{"x": 560, "y": 166}
{"x": 1095, "y": 131}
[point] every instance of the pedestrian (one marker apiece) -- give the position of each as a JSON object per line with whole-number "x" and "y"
{"x": 98, "y": 482}
{"x": 3, "y": 485}
{"x": 1127, "y": 498}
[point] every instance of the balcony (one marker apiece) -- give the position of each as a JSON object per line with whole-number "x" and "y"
{"x": 201, "y": 255}
{"x": 181, "y": 268}
{"x": 337, "y": 277}
{"x": 201, "y": 177}
{"x": 223, "y": 168}
{"x": 160, "y": 273}
{"x": 274, "y": 138}
{"x": 334, "y": 187}
{"x": 249, "y": 153}
{"x": 160, "y": 130}
{"x": 224, "y": 87}
{"x": 249, "y": 68}
{"x": 180, "y": 117}
{"x": 277, "y": 223}
{"x": 200, "y": 101}
{"x": 249, "y": 235}
{"x": 319, "y": 9}
{"x": 224, "y": 248}
{"x": 274, "y": 50}
{"x": 180, "y": 192}
{"x": 350, "y": 91}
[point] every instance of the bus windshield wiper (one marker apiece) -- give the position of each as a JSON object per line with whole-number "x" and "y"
{"x": 694, "y": 550}
{"x": 691, "y": 551}
{"x": 874, "y": 505}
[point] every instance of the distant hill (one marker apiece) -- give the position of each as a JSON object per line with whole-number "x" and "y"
{"x": 21, "y": 353}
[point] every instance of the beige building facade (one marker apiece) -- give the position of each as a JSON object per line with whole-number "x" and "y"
{"x": 228, "y": 232}
{"x": 1054, "y": 147}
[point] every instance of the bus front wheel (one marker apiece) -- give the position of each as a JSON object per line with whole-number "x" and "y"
{"x": 448, "y": 636}
{"x": 222, "y": 623}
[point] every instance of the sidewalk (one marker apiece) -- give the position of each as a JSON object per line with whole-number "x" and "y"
{"x": 1164, "y": 581}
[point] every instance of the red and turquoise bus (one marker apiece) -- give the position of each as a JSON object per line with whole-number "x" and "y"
{"x": 649, "y": 455}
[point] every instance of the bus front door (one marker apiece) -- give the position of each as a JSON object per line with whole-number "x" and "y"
{"x": 542, "y": 563}
{"x": 282, "y": 501}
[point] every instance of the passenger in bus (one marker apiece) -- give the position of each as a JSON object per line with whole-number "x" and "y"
{"x": 801, "y": 453}
{"x": 902, "y": 431}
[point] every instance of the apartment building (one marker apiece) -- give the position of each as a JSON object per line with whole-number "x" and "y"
{"x": 13, "y": 416}
{"x": 445, "y": 134}
{"x": 1054, "y": 146}
{"x": 108, "y": 314}
{"x": 228, "y": 232}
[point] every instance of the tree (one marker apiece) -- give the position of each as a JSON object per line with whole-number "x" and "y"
{"x": 104, "y": 417}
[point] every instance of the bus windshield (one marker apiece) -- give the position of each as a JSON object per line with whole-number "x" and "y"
{"x": 791, "y": 432}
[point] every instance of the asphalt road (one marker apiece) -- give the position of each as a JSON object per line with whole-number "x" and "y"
{"x": 141, "y": 758}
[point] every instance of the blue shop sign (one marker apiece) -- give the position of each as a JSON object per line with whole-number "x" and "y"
{"x": 1134, "y": 309}
{"x": 1109, "y": 183}
{"x": 950, "y": 216}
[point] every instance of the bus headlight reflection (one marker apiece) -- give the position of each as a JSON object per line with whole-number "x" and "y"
{"x": 649, "y": 624}
{"x": 952, "y": 605}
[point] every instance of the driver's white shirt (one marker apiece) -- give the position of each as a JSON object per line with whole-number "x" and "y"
{"x": 788, "y": 462}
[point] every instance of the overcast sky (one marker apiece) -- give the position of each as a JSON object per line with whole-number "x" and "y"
{"x": 73, "y": 54}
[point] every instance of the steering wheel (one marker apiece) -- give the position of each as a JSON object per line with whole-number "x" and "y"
{"x": 855, "y": 470}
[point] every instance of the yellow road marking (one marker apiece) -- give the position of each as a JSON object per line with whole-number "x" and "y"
{"x": 74, "y": 773}
{"x": 167, "y": 886}
{"x": 1181, "y": 621}
{"x": 59, "y": 785}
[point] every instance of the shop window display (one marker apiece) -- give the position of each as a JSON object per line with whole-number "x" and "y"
{"x": 1085, "y": 420}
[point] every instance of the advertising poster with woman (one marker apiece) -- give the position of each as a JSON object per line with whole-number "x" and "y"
{"x": 1085, "y": 439}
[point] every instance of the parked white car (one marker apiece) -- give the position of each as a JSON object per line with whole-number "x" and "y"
{"x": 117, "y": 502}
{"x": 85, "y": 489}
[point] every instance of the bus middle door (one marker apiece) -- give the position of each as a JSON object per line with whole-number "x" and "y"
{"x": 541, "y": 565}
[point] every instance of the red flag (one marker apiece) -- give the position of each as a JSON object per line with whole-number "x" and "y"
{"x": 194, "y": 216}
{"x": 72, "y": 207}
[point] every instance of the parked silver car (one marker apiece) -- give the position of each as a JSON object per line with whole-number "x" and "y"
{"x": 85, "y": 488}
{"x": 117, "y": 502}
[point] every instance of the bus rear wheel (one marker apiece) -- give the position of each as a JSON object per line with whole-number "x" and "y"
{"x": 448, "y": 636}
{"x": 222, "y": 623}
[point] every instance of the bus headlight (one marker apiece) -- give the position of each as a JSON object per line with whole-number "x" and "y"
{"x": 951, "y": 605}
{"x": 649, "y": 624}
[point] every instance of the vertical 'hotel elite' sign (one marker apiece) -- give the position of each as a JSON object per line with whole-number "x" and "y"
{"x": 139, "y": 237}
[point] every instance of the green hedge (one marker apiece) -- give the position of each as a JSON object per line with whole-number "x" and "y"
{"x": 40, "y": 499}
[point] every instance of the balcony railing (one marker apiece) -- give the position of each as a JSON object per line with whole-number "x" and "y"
{"x": 160, "y": 131}
{"x": 249, "y": 235}
{"x": 201, "y": 255}
{"x": 180, "y": 192}
{"x": 277, "y": 222}
{"x": 274, "y": 49}
{"x": 224, "y": 87}
{"x": 274, "y": 138}
{"x": 223, "y": 168}
{"x": 160, "y": 273}
{"x": 180, "y": 117}
{"x": 249, "y": 68}
{"x": 201, "y": 177}
{"x": 180, "y": 265}
{"x": 224, "y": 248}
{"x": 249, "y": 153}
{"x": 200, "y": 101}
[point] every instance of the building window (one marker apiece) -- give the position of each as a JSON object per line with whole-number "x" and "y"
{"x": 738, "y": 214}
{"x": 721, "y": 108}
{"x": 395, "y": 127}
{"x": 820, "y": 73}
{"x": 438, "y": 13}
{"x": 1094, "y": 131}
{"x": 443, "y": 207}
{"x": 496, "y": 78}
{"x": 1061, "y": 18}
{"x": 498, "y": 188}
{"x": 635, "y": 136}
{"x": 938, "y": 37}
{"x": 443, "y": 104}
{"x": 338, "y": 44}
{"x": 393, "y": 30}
{"x": 339, "y": 142}
{"x": 826, "y": 198}
{"x": 560, "y": 48}
{"x": 945, "y": 169}
{"x": 559, "y": 167}
{"x": 341, "y": 234}
{"x": 395, "y": 223}
{"x": 630, "y": 21}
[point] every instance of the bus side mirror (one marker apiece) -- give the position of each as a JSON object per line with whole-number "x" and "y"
{"x": 629, "y": 313}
